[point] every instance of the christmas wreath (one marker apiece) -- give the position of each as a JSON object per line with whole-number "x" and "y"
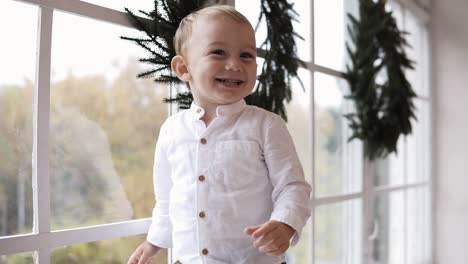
{"x": 279, "y": 49}
{"x": 383, "y": 111}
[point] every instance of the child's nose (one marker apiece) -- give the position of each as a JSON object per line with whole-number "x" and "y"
{"x": 233, "y": 65}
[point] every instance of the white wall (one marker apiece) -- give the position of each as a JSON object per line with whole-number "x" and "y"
{"x": 449, "y": 27}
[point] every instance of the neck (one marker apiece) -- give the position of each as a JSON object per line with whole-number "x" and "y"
{"x": 207, "y": 119}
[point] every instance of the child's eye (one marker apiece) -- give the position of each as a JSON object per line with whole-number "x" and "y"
{"x": 218, "y": 52}
{"x": 247, "y": 55}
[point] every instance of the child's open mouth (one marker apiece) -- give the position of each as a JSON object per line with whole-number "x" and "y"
{"x": 229, "y": 82}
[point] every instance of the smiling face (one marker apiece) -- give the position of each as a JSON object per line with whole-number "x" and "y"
{"x": 219, "y": 61}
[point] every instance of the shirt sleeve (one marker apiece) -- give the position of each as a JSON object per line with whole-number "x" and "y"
{"x": 160, "y": 231}
{"x": 291, "y": 192}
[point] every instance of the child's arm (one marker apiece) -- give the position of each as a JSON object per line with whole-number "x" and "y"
{"x": 290, "y": 195}
{"x": 160, "y": 231}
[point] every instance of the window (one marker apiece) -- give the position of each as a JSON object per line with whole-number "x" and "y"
{"x": 70, "y": 100}
{"x": 362, "y": 212}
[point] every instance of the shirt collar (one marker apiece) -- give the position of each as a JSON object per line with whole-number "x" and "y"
{"x": 223, "y": 110}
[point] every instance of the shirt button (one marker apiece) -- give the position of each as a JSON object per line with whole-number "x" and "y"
{"x": 201, "y": 178}
{"x": 202, "y": 214}
{"x": 204, "y": 251}
{"x": 198, "y": 110}
{"x": 203, "y": 141}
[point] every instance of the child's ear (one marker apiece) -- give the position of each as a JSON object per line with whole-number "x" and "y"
{"x": 179, "y": 66}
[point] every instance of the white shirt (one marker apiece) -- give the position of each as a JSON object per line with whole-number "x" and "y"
{"x": 211, "y": 183}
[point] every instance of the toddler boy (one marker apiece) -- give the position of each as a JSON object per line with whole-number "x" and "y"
{"x": 228, "y": 183}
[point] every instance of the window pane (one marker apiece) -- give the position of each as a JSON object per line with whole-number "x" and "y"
{"x": 17, "y": 66}
{"x": 251, "y": 10}
{"x": 338, "y": 233}
{"x": 419, "y": 222}
{"x": 330, "y": 20}
{"x": 391, "y": 169}
{"x": 338, "y": 163}
{"x": 389, "y": 215}
{"x": 303, "y": 28}
{"x": 134, "y": 5}
{"x": 20, "y": 258}
{"x": 105, "y": 251}
{"x": 418, "y": 145}
{"x": 104, "y": 125}
{"x": 299, "y": 119}
{"x": 418, "y": 53}
{"x": 300, "y": 253}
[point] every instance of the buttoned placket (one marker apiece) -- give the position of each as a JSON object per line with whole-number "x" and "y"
{"x": 204, "y": 152}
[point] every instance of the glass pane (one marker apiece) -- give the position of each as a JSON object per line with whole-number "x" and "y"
{"x": 304, "y": 28}
{"x": 418, "y": 53}
{"x": 104, "y": 124}
{"x": 389, "y": 219}
{"x": 330, "y": 20}
{"x": 251, "y": 10}
{"x": 338, "y": 233}
{"x": 418, "y": 145}
{"x": 17, "y": 64}
{"x": 300, "y": 253}
{"x": 338, "y": 163}
{"x": 298, "y": 111}
{"x": 114, "y": 251}
{"x": 20, "y": 258}
{"x": 391, "y": 170}
{"x": 134, "y": 5}
{"x": 419, "y": 221}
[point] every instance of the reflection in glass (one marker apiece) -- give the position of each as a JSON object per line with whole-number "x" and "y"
{"x": 338, "y": 233}
{"x": 20, "y": 258}
{"x": 17, "y": 64}
{"x": 105, "y": 251}
{"x": 338, "y": 163}
{"x": 104, "y": 126}
{"x": 389, "y": 215}
{"x": 403, "y": 230}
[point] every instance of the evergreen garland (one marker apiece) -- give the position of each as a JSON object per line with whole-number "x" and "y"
{"x": 383, "y": 111}
{"x": 281, "y": 61}
{"x": 279, "y": 49}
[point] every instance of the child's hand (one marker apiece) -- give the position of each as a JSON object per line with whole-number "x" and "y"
{"x": 272, "y": 237}
{"x": 144, "y": 253}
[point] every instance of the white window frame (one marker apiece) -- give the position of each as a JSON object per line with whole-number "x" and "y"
{"x": 43, "y": 240}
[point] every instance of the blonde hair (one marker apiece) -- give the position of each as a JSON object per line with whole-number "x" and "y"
{"x": 184, "y": 31}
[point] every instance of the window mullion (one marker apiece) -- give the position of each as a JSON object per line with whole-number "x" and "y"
{"x": 311, "y": 128}
{"x": 40, "y": 155}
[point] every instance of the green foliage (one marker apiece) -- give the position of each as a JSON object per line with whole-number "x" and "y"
{"x": 280, "y": 53}
{"x": 102, "y": 139}
{"x": 279, "y": 49}
{"x": 383, "y": 111}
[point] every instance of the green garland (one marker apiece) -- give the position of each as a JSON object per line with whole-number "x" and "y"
{"x": 279, "y": 49}
{"x": 383, "y": 111}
